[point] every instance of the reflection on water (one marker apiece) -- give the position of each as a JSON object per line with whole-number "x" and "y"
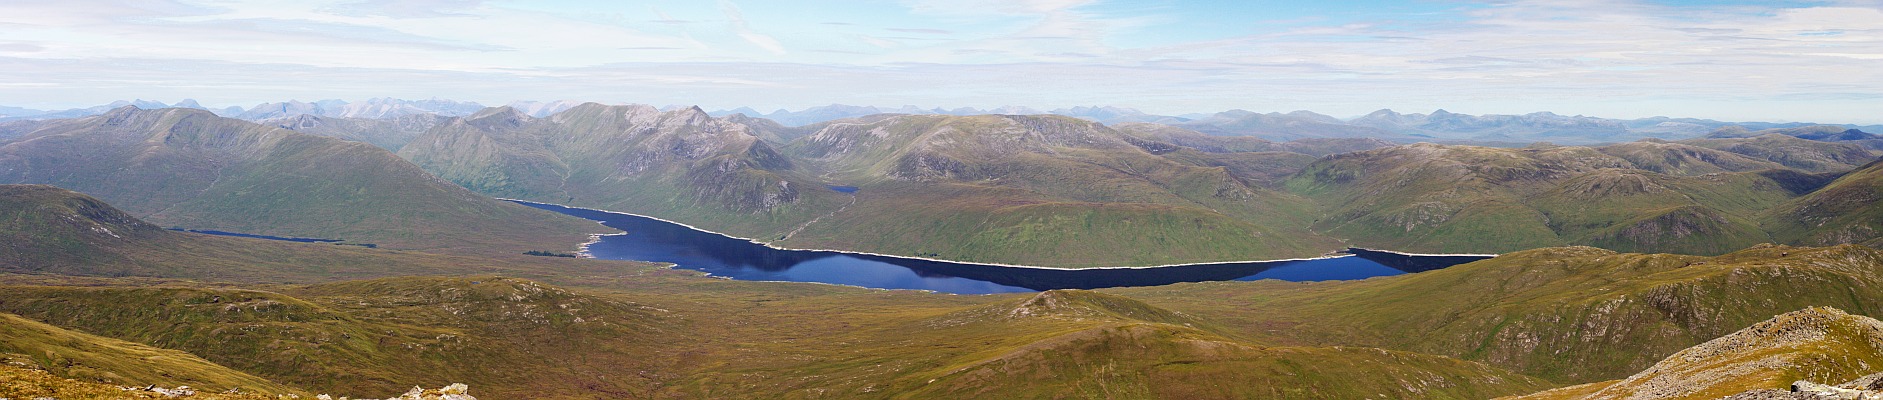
{"x": 649, "y": 239}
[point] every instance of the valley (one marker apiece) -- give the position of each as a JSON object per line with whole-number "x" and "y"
{"x": 551, "y": 327}
{"x": 926, "y": 199}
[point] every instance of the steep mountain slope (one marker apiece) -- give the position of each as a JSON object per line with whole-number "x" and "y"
{"x": 1568, "y": 315}
{"x": 1041, "y": 190}
{"x": 1844, "y": 211}
{"x": 681, "y": 165}
{"x": 105, "y": 360}
{"x": 189, "y": 168}
{"x": 1440, "y": 198}
{"x": 389, "y": 133}
{"x": 1814, "y": 344}
{"x": 48, "y": 230}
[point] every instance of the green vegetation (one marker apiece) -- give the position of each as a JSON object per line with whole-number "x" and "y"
{"x": 1063, "y": 192}
{"x": 1515, "y": 324}
{"x": 1568, "y": 315}
{"x": 192, "y": 169}
{"x": 543, "y": 253}
{"x": 1814, "y": 344}
{"x": 680, "y": 165}
{"x": 105, "y": 360}
{"x": 1642, "y": 196}
{"x": 1844, "y": 211}
{"x": 19, "y": 382}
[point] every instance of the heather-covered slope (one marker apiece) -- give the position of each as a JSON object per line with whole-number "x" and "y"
{"x": 105, "y": 360}
{"x": 1109, "y": 346}
{"x": 189, "y": 168}
{"x": 516, "y": 338}
{"x": 1568, "y": 315}
{"x": 1815, "y": 344}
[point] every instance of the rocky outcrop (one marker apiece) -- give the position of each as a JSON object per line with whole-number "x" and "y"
{"x": 1815, "y": 344}
{"x": 1865, "y": 388}
{"x": 456, "y": 391}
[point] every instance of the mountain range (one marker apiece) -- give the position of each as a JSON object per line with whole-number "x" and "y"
{"x": 1010, "y": 188}
{"x": 191, "y": 169}
{"x": 1437, "y": 126}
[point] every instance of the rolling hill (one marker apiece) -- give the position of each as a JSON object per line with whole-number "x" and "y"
{"x": 1639, "y": 196}
{"x": 1567, "y": 315}
{"x": 192, "y": 169}
{"x": 1843, "y": 211}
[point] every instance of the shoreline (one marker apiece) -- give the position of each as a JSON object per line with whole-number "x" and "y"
{"x": 1425, "y": 254}
{"x": 596, "y": 238}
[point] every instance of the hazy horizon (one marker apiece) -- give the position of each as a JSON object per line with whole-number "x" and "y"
{"x": 1805, "y": 61}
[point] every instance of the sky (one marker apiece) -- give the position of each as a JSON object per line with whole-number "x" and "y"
{"x": 1817, "y": 61}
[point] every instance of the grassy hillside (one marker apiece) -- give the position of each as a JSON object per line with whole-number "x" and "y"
{"x": 29, "y": 383}
{"x": 1816, "y": 344}
{"x": 1843, "y": 211}
{"x": 385, "y": 337}
{"x": 1643, "y": 196}
{"x": 1569, "y": 315}
{"x": 189, "y": 168}
{"x": 104, "y": 360}
{"x": 513, "y": 338}
{"x": 1116, "y": 347}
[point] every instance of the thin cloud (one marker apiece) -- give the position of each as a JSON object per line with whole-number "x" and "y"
{"x": 922, "y": 31}
{"x": 408, "y": 8}
{"x": 744, "y": 30}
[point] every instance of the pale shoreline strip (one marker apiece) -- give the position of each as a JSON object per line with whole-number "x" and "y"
{"x": 596, "y": 238}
